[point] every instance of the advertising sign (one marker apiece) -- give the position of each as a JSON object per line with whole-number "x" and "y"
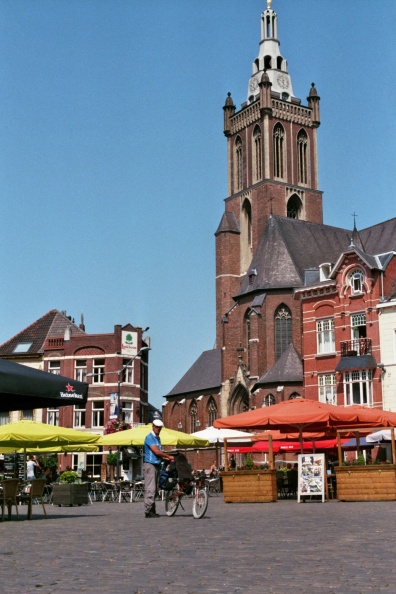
{"x": 311, "y": 475}
{"x": 113, "y": 406}
{"x": 129, "y": 342}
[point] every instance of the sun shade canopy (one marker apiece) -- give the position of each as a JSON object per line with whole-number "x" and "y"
{"x": 137, "y": 435}
{"x": 23, "y": 388}
{"x": 301, "y": 414}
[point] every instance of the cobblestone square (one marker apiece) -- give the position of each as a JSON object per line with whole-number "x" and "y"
{"x": 276, "y": 548}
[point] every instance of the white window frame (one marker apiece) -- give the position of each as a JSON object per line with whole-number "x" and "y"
{"x": 325, "y": 336}
{"x": 80, "y": 370}
{"x": 54, "y": 367}
{"x": 129, "y": 371}
{"x": 358, "y": 387}
{"x": 79, "y": 417}
{"x": 127, "y": 411}
{"x": 327, "y": 386}
{"x": 356, "y": 280}
{"x": 53, "y": 416}
{"x": 98, "y": 371}
{"x": 97, "y": 417}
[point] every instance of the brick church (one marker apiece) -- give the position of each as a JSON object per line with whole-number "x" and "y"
{"x": 290, "y": 290}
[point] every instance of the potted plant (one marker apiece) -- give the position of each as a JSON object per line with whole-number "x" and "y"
{"x": 69, "y": 491}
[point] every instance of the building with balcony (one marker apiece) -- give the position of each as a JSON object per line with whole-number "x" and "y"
{"x": 341, "y": 346}
{"x": 296, "y": 299}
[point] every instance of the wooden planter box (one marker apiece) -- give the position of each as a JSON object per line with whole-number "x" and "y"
{"x": 73, "y": 494}
{"x": 249, "y": 486}
{"x": 375, "y": 482}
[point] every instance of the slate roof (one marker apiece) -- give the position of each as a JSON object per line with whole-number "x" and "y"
{"x": 228, "y": 224}
{"x": 289, "y": 248}
{"x": 287, "y": 369}
{"x": 52, "y": 324}
{"x": 204, "y": 374}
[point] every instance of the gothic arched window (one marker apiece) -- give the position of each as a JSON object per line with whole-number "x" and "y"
{"x": 294, "y": 395}
{"x": 279, "y": 151}
{"x": 212, "y": 411}
{"x": 247, "y": 338}
{"x": 302, "y": 157}
{"x": 283, "y": 329}
{"x": 257, "y": 173}
{"x": 294, "y": 207}
{"x": 269, "y": 400}
{"x": 193, "y": 417}
{"x": 238, "y": 164}
{"x": 246, "y": 235}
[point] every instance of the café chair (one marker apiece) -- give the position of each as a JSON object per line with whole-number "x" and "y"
{"x": 34, "y": 495}
{"x": 9, "y": 496}
{"x": 213, "y": 486}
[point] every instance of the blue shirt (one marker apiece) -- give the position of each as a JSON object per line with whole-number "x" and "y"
{"x": 149, "y": 455}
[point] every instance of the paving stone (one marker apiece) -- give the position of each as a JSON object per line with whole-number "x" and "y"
{"x": 326, "y": 548}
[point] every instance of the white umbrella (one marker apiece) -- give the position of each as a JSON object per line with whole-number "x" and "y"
{"x": 383, "y": 435}
{"x": 214, "y": 435}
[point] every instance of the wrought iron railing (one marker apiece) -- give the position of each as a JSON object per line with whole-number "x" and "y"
{"x": 356, "y": 347}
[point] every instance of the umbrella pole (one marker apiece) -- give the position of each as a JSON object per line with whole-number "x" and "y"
{"x": 393, "y": 445}
{"x": 271, "y": 452}
{"x": 225, "y": 454}
{"x": 300, "y": 435}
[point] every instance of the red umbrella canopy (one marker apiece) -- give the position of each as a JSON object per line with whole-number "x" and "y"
{"x": 301, "y": 415}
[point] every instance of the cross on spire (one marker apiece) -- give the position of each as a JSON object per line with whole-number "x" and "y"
{"x": 354, "y": 219}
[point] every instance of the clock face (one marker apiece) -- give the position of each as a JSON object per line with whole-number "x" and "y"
{"x": 253, "y": 85}
{"x": 283, "y": 81}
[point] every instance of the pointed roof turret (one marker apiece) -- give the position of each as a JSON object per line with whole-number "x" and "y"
{"x": 270, "y": 59}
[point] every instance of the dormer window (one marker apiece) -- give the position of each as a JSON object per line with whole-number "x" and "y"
{"x": 252, "y": 275}
{"x": 356, "y": 279}
{"x": 324, "y": 271}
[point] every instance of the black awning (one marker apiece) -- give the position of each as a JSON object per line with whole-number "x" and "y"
{"x": 23, "y": 388}
{"x": 355, "y": 363}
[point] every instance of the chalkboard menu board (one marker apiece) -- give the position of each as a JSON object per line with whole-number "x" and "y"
{"x": 311, "y": 475}
{"x": 14, "y": 465}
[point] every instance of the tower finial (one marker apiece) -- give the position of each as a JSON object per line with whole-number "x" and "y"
{"x": 269, "y": 4}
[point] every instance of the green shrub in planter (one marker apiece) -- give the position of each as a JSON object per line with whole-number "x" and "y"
{"x": 69, "y": 477}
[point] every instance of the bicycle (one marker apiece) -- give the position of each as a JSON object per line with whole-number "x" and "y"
{"x": 182, "y": 485}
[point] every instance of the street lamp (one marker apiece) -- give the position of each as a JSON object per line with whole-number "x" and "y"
{"x": 119, "y": 373}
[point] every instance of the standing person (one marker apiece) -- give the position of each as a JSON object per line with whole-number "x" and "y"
{"x": 153, "y": 455}
{"x": 232, "y": 462}
{"x": 31, "y": 466}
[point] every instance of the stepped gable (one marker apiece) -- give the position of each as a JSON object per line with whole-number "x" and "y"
{"x": 204, "y": 374}
{"x": 52, "y": 324}
{"x": 288, "y": 248}
{"x": 287, "y": 369}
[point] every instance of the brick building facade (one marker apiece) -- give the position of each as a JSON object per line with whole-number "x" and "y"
{"x": 272, "y": 244}
{"x": 110, "y": 363}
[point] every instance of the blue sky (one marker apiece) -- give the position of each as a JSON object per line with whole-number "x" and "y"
{"x": 113, "y": 161}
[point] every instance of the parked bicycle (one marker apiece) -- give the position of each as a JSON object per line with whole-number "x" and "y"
{"x": 178, "y": 482}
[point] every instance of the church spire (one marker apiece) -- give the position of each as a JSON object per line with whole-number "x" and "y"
{"x": 270, "y": 59}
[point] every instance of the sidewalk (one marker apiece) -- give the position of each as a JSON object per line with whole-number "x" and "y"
{"x": 274, "y": 548}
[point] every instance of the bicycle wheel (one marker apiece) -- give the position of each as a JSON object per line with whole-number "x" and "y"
{"x": 171, "y": 503}
{"x": 200, "y": 504}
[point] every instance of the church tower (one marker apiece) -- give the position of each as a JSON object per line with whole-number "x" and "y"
{"x": 272, "y": 164}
